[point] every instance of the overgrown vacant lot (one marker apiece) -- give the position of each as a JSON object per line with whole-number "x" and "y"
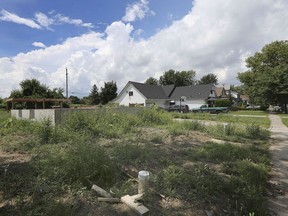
{"x": 194, "y": 169}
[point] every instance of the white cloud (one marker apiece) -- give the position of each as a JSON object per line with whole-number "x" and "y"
{"x": 42, "y": 20}
{"x": 39, "y": 44}
{"x": 214, "y": 37}
{"x": 137, "y": 10}
{"x": 60, "y": 19}
{"x": 10, "y": 17}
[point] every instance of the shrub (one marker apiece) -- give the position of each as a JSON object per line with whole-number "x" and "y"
{"x": 222, "y": 103}
{"x": 152, "y": 116}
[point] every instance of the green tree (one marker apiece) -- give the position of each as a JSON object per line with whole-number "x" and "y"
{"x": 33, "y": 88}
{"x": 75, "y": 99}
{"x": 94, "y": 95}
{"x": 266, "y": 80}
{"x": 177, "y": 78}
{"x": 108, "y": 92}
{"x": 151, "y": 81}
{"x": 208, "y": 79}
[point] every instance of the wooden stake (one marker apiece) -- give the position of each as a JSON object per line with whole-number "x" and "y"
{"x": 101, "y": 192}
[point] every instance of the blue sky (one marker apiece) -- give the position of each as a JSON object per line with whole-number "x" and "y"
{"x": 97, "y": 15}
{"x": 100, "y": 41}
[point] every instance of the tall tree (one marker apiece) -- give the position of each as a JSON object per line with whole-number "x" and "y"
{"x": 94, "y": 95}
{"x": 266, "y": 80}
{"x": 177, "y": 78}
{"x": 151, "y": 81}
{"x": 74, "y": 99}
{"x": 33, "y": 88}
{"x": 208, "y": 79}
{"x": 108, "y": 92}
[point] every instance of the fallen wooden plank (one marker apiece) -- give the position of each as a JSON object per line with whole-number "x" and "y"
{"x": 105, "y": 199}
{"x": 137, "y": 196}
{"x": 136, "y": 206}
{"x": 101, "y": 192}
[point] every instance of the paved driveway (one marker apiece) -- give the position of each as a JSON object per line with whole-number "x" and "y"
{"x": 279, "y": 152}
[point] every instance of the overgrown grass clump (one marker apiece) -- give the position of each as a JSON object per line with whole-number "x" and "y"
{"x": 93, "y": 147}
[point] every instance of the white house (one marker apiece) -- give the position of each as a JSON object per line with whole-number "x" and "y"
{"x": 139, "y": 94}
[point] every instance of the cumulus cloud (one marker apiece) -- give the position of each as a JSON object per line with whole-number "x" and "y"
{"x": 10, "y": 17}
{"x": 137, "y": 10}
{"x": 214, "y": 37}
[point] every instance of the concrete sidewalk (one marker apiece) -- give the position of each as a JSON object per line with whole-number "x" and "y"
{"x": 278, "y": 202}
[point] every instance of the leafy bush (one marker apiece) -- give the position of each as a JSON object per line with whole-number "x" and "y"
{"x": 152, "y": 116}
{"x": 222, "y": 103}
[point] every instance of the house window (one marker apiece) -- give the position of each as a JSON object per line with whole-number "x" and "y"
{"x": 130, "y": 93}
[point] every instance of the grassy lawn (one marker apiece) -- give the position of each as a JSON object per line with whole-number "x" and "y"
{"x": 249, "y": 112}
{"x": 285, "y": 120}
{"x": 230, "y": 117}
{"x": 49, "y": 170}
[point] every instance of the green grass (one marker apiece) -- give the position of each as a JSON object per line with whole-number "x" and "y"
{"x": 285, "y": 120}
{"x": 249, "y": 112}
{"x": 228, "y": 118}
{"x": 96, "y": 147}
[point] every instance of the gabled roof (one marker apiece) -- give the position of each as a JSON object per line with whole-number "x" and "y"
{"x": 219, "y": 91}
{"x": 192, "y": 92}
{"x": 153, "y": 91}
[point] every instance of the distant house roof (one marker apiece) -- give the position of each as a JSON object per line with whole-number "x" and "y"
{"x": 226, "y": 86}
{"x": 153, "y": 91}
{"x": 192, "y": 92}
{"x": 219, "y": 91}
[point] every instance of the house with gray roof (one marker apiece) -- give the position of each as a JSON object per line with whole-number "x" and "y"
{"x": 194, "y": 96}
{"x": 140, "y": 94}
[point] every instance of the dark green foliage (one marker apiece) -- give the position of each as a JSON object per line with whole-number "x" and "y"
{"x": 222, "y": 103}
{"x": 151, "y": 81}
{"x": 32, "y": 88}
{"x": 75, "y": 99}
{"x": 208, "y": 79}
{"x": 95, "y": 95}
{"x": 266, "y": 80}
{"x": 108, "y": 92}
{"x": 177, "y": 78}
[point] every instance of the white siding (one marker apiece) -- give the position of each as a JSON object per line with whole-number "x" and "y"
{"x": 125, "y": 99}
{"x": 191, "y": 103}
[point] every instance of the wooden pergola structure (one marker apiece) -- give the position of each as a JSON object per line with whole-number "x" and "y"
{"x": 35, "y": 101}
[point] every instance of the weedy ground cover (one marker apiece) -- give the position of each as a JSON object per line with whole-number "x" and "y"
{"x": 285, "y": 120}
{"x": 228, "y": 118}
{"x": 105, "y": 147}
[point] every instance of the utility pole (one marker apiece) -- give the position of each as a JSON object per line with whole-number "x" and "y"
{"x": 66, "y": 83}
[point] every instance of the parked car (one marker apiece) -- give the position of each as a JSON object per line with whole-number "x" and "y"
{"x": 177, "y": 108}
{"x": 275, "y": 108}
{"x": 206, "y": 108}
{"x": 253, "y": 107}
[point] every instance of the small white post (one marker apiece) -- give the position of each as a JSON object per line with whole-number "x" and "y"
{"x": 143, "y": 181}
